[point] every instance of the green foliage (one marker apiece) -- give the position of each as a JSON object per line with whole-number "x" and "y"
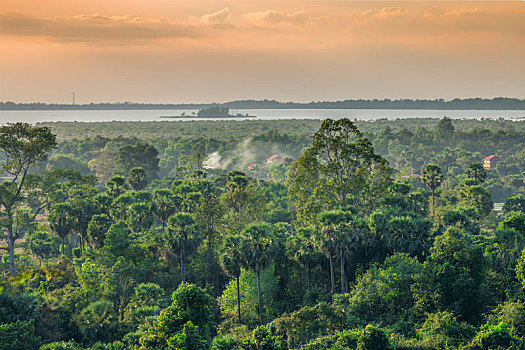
{"x": 512, "y": 313}
{"x": 97, "y": 229}
{"x": 19, "y": 335}
{"x": 44, "y": 245}
{"x": 432, "y": 176}
{"x": 339, "y": 169}
{"x": 189, "y": 303}
{"x": 520, "y": 269}
{"x": 476, "y": 172}
{"x": 493, "y": 337}
{"x": 64, "y": 161}
{"x": 514, "y": 221}
{"x": 97, "y": 322}
{"x": 117, "y": 240}
{"x": 441, "y": 330}
{"x": 261, "y": 339}
{"x": 140, "y": 217}
{"x": 383, "y": 295}
{"x": 138, "y": 178}
{"x": 337, "y": 217}
{"x": 302, "y": 326}
{"x": 188, "y": 339}
{"x": 142, "y": 155}
{"x": 116, "y": 185}
{"x": 514, "y": 203}
{"x": 227, "y": 301}
{"x": 61, "y": 345}
{"x": 373, "y": 338}
{"x": 455, "y": 272}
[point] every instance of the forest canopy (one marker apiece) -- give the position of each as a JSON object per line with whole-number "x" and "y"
{"x": 248, "y": 235}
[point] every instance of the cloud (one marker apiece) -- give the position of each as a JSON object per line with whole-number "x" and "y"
{"x": 275, "y": 18}
{"x": 431, "y": 22}
{"x": 386, "y": 12}
{"x": 220, "y": 16}
{"x": 95, "y": 27}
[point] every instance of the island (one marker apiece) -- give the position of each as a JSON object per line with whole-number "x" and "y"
{"x": 212, "y": 112}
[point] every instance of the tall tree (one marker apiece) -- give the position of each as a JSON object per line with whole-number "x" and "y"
{"x": 183, "y": 231}
{"x": 339, "y": 231}
{"x": 61, "y": 221}
{"x": 257, "y": 247}
{"x": 139, "y": 155}
{"x": 348, "y": 170}
{"x": 305, "y": 250}
{"x": 244, "y": 202}
{"x": 165, "y": 204}
{"x": 445, "y": 130}
{"x": 21, "y": 146}
{"x": 231, "y": 261}
{"x": 432, "y": 177}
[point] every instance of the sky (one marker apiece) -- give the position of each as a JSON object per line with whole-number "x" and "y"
{"x": 168, "y": 51}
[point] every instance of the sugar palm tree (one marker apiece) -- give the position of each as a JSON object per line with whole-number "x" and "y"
{"x": 305, "y": 250}
{"x": 182, "y": 230}
{"x": 432, "y": 177}
{"x": 61, "y": 221}
{"x": 332, "y": 240}
{"x": 165, "y": 204}
{"x": 231, "y": 262}
{"x": 256, "y": 246}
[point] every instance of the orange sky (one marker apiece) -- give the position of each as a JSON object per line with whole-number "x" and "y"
{"x": 204, "y": 51}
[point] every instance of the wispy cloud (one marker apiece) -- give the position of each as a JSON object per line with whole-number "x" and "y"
{"x": 276, "y": 18}
{"x": 391, "y": 21}
{"x": 220, "y": 16}
{"x": 95, "y": 27}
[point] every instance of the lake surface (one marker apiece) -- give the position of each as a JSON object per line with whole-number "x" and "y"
{"x": 262, "y": 114}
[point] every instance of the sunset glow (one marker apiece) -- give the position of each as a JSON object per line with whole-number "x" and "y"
{"x": 204, "y": 51}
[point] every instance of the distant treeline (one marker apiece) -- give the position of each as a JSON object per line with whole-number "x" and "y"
{"x": 498, "y": 103}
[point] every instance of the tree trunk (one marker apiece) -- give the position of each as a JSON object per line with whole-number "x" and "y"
{"x": 11, "y": 245}
{"x": 432, "y": 202}
{"x": 343, "y": 289}
{"x": 259, "y": 294}
{"x": 182, "y": 268}
{"x": 239, "y": 300}
{"x": 308, "y": 275}
{"x": 332, "y": 282}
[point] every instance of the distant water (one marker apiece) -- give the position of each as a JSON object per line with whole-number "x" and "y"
{"x": 262, "y": 114}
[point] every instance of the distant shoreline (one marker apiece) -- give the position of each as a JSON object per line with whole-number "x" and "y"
{"x": 499, "y": 103}
{"x": 196, "y": 117}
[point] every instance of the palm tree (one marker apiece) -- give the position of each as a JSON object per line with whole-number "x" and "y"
{"x": 165, "y": 204}
{"x": 256, "y": 246}
{"x": 231, "y": 262}
{"x": 330, "y": 240}
{"x": 305, "y": 250}
{"x": 339, "y": 231}
{"x": 182, "y": 229}
{"x": 432, "y": 177}
{"x": 61, "y": 221}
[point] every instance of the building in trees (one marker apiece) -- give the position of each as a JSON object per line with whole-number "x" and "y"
{"x": 275, "y": 159}
{"x": 491, "y": 161}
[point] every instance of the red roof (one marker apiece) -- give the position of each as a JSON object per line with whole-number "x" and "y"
{"x": 272, "y": 157}
{"x": 491, "y": 157}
